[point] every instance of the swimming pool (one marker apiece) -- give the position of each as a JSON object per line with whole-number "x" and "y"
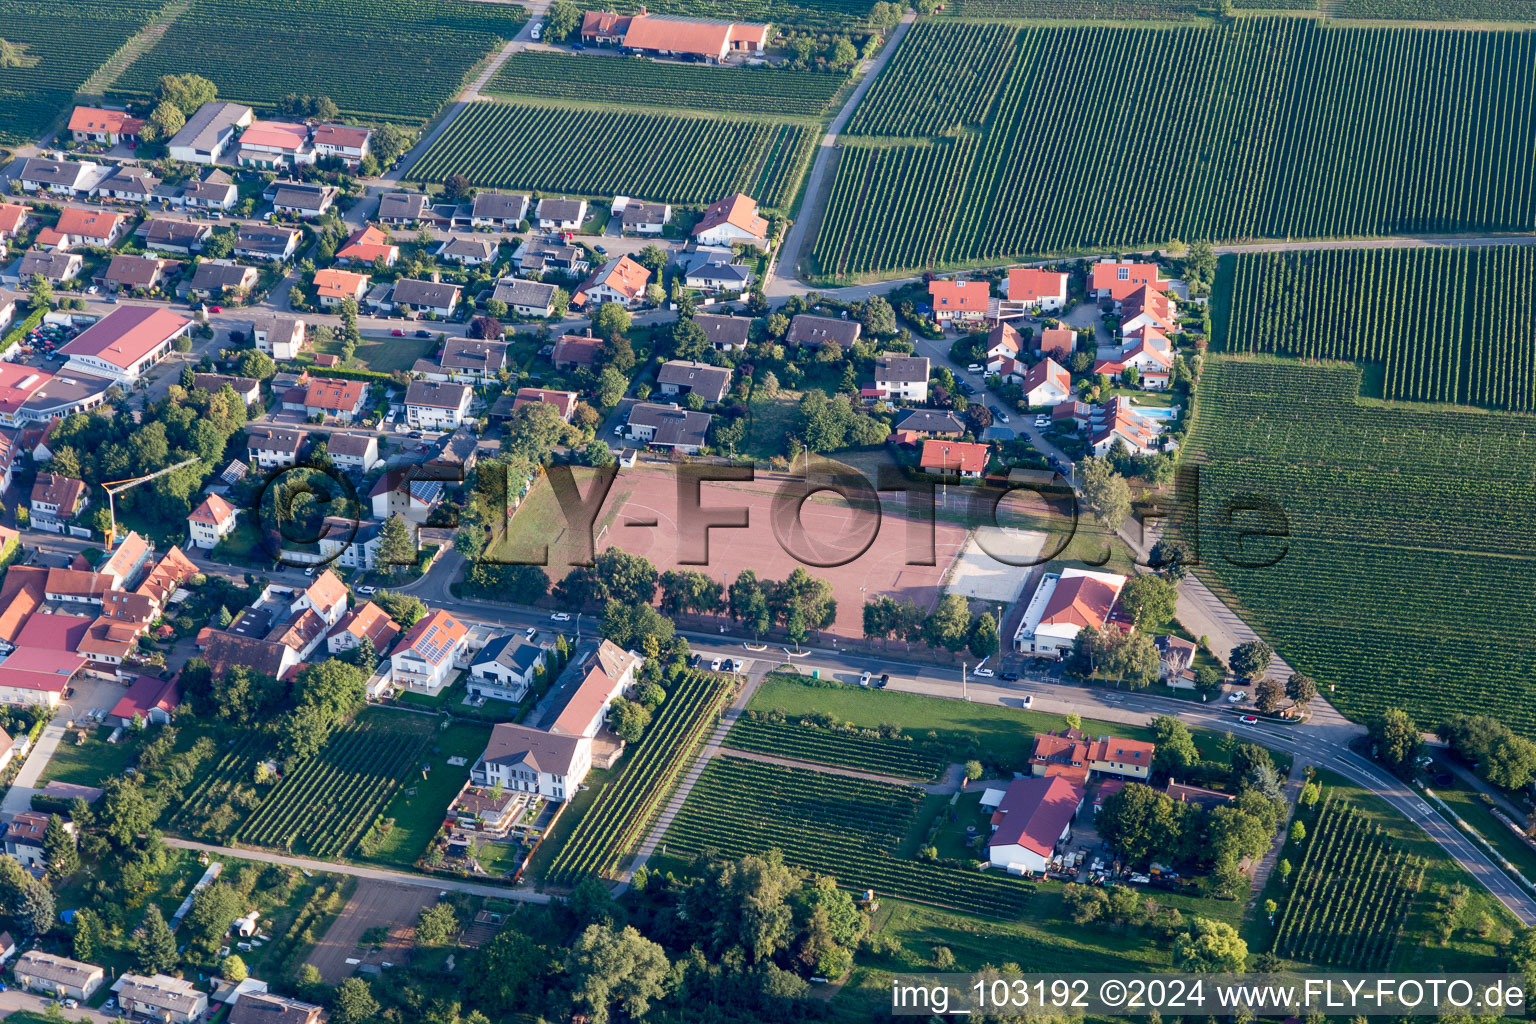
{"x": 1157, "y": 412}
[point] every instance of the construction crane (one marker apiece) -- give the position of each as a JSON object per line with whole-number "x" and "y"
{"x": 117, "y": 487}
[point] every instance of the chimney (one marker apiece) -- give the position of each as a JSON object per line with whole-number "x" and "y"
{"x": 589, "y": 332}
{"x": 643, "y": 11}
{"x": 437, "y": 276}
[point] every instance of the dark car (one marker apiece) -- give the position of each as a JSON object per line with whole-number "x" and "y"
{"x": 1009, "y": 677}
{"x": 414, "y": 433}
{"x": 885, "y": 677}
{"x": 966, "y": 387}
{"x": 423, "y": 334}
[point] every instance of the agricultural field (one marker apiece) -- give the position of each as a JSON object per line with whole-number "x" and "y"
{"x": 1352, "y": 894}
{"x": 775, "y": 734}
{"x": 788, "y": 15}
{"x": 1442, "y": 325}
{"x": 1265, "y": 128}
{"x": 617, "y": 820}
{"x": 830, "y": 824}
{"x": 1121, "y": 10}
{"x": 61, "y": 46}
{"x": 569, "y": 151}
{"x": 1394, "y": 518}
{"x": 929, "y": 97}
{"x": 328, "y": 802}
{"x": 1435, "y": 10}
{"x": 607, "y": 81}
{"x": 417, "y": 52}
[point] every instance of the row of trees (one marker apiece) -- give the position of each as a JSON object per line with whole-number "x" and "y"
{"x": 950, "y": 626}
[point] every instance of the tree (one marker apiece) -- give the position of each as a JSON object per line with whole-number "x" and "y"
{"x": 877, "y": 316}
{"x": 628, "y": 719}
{"x": 1176, "y": 751}
{"x": 397, "y": 545}
{"x": 611, "y": 320}
{"x": 214, "y": 908}
{"x": 325, "y": 109}
{"x": 1105, "y": 494}
{"x": 1170, "y": 559}
{"x": 611, "y": 386}
{"x": 154, "y": 947}
{"x": 257, "y": 364}
{"x": 1200, "y": 265}
{"x": 165, "y": 121}
{"x": 59, "y": 848}
{"x": 405, "y": 609}
{"x": 1210, "y": 947}
{"x": 844, "y": 53}
{"x": 186, "y": 92}
{"x": 611, "y": 970}
{"x": 1522, "y": 952}
{"x": 88, "y": 934}
{"x": 1266, "y": 696}
{"x": 949, "y": 625}
{"x": 1298, "y": 832}
{"x": 40, "y": 292}
{"x": 353, "y": 1002}
{"x": 973, "y": 770}
{"x": 436, "y": 924}
{"x": 1140, "y": 823}
{"x": 35, "y": 909}
{"x": 1301, "y": 689}
{"x": 561, "y": 20}
{"x": 485, "y": 328}
{"x": 983, "y": 641}
{"x": 1149, "y": 600}
{"x": 1251, "y": 659}
{"x": 1207, "y": 681}
{"x": 389, "y": 143}
{"x": 233, "y": 969}
{"x": 1270, "y": 906}
{"x": 1397, "y": 739}
{"x": 1284, "y": 867}
{"x": 457, "y": 188}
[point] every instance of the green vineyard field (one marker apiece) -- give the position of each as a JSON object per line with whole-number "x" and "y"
{"x": 617, "y": 819}
{"x": 897, "y": 758}
{"x": 62, "y": 45}
{"x": 661, "y": 157}
{"x": 792, "y": 15}
{"x": 1405, "y": 573}
{"x": 1438, "y": 10}
{"x": 626, "y": 82}
{"x": 1351, "y": 895}
{"x": 1263, "y": 127}
{"x": 396, "y": 60}
{"x": 833, "y": 825}
{"x": 1444, "y": 325}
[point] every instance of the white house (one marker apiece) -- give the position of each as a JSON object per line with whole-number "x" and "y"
{"x": 1062, "y": 605}
{"x": 356, "y": 453}
{"x": 561, "y": 214}
{"x": 902, "y": 377}
{"x": 608, "y": 672}
{"x": 645, "y": 218}
{"x": 1046, "y": 383}
{"x": 525, "y": 760}
{"x": 160, "y": 998}
{"x": 436, "y": 405}
{"x": 1029, "y": 290}
{"x": 423, "y": 661}
{"x": 271, "y": 447}
{"x": 209, "y": 132}
{"x": 731, "y": 221}
{"x": 1032, "y": 822}
{"x": 211, "y": 522}
{"x": 281, "y": 337}
{"x": 58, "y": 976}
{"x": 504, "y": 669}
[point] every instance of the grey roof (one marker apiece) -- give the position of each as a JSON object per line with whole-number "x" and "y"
{"x": 160, "y": 991}
{"x": 645, "y": 213}
{"x": 933, "y": 421}
{"x": 274, "y": 439}
{"x": 53, "y": 172}
{"x": 261, "y": 238}
{"x": 201, "y": 132}
{"x": 510, "y": 652}
{"x": 532, "y": 748}
{"x": 66, "y": 390}
{"x": 515, "y": 291}
{"x": 721, "y": 274}
{"x": 672, "y": 426}
{"x": 123, "y": 178}
{"x": 52, "y": 265}
{"x": 181, "y": 233}
{"x": 8, "y": 297}
{"x": 728, "y": 331}
{"x": 436, "y": 294}
{"x": 50, "y": 967}
{"x": 500, "y": 206}
{"x": 560, "y": 209}
{"x": 435, "y": 395}
{"x": 351, "y": 445}
{"x": 271, "y": 1008}
{"x": 806, "y": 329}
{"x": 215, "y": 381}
{"x": 402, "y": 206}
{"x": 709, "y": 382}
{"x": 216, "y": 185}
{"x": 468, "y": 248}
{"x": 900, "y": 369}
{"x": 301, "y": 196}
{"x": 457, "y": 449}
{"x": 473, "y": 354}
{"x": 133, "y": 271}
{"x": 212, "y": 275}
{"x": 538, "y": 253}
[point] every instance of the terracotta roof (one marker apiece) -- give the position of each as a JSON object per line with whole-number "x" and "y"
{"x": 334, "y": 394}
{"x": 226, "y": 650}
{"x": 275, "y": 135}
{"x": 623, "y": 275}
{"x": 1007, "y": 336}
{"x": 959, "y": 296}
{"x": 1035, "y": 812}
{"x": 12, "y": 217}
{"x": 372, "y": 622}
{"x": 563, "y": 401}
{"x": 1047, "y": 371}
{"x": 1080, "y": 601}
{"x": 88, "y": 223}
{"x": 608, "y": 663}
{"x": 434, "y": 637}
{"x": 961, "y": 456}
{"x": 604, "y": 23}
{"x": 214, "y": 511}
{"x": 148, "y": 694}
{"x": 130, "y": 553}
{"x": 738, "y": 210}
{"x": 93, "y": 119}
{"x": 1057, "y": 341}
{"x": 1029, "y": 284}
{"x": 61, "y": 491}
{"x": 367, "y": 244}
{"x": 575, "y": 349}
{"x": 341, "y": 136}
{"x": 38, "y": 668}
{"x": 1107, "y": 275}
{"x": 338, "y": 284}
{"x": 21, "y": 594}
{"x": 326, "y": 591}
{"x": 126, "y": 335}
{"x": 1206, "y": 798}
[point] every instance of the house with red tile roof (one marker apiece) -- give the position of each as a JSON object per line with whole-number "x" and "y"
{"x": 326, "y": 596}
{"x": 367, "y": 244}
{"x": 1003, "y": 342}
{"x": 367, "y": 621}
{"x": 149, "y": 701}
{"x": 344, "y": 142}
{"x": 1113, "y": 280}
{"x": 959, "y": 301}
{"x": 332, "y": 286}
{"x": 13, "y": 217}
{"x": 423, "y": 660}
{"x": 1046, "y": 383}
{"x": 57, "y": 499}
{"x": 731, "y": 221}
{"x": 334, "y": 398}
{"x": 1117, "y": 420}
{"x": 125, "y": 343}
{"x": 1147, "y": 308}
{"x": 1062, "y": 605}
{"x": 1154, "y": 366}
{"x": 1072, "y": 754}
{"x": 92, "y": 124}
{"x": 607, "y": 673}
{"x": 964, "y": 459}
{"x": 1030, "y": 290}
{"x": 77, "y": 226}
{"x": 621, "y": 280}
{"x": 563, "y": 401}
{"x": 573, "y": 351}
{"x": 211, "y": 522}
{"x": 1058, "y": 343}
{"x": 275, "y": 145}
{"x": 668, "y": 35}
{"x": 127, "y": 561}
{"x": 1032, "y": 822}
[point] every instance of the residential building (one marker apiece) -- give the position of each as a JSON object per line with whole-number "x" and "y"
{"x": 300, "y": 199}
{"x": 468, "y": 251}
{"x": 705, "y": 38}
{"x": 573, "y": 351}
{"x": 58, "y": 976}
{"x": 1058, "y": 343}
{"x": 248, "y": 388}
{"x": 688, "y": 377}
{"x": 271, "y": 1008}
{"x": 59, "y": 498}
{"x": 526, "y": 298}
{"x": 368, "y": 245}
{"x": 332, "y": 287}
{"x": 466, "y": 360}
{"x": 217, "y": 279}
{"x": 1047, "y": 383}
{"x": 1177, "y": 658}
{"x": 808, "y": 331}
{"x": 1207, "y": 799}
{"x": 1154, "y": 366}
{"x": 608, "y": 672}
{"x": 1069, "y": 753}
{"x": 501, "y": 211}
{"x": 402, "y": 208}
{"x": 1031, "y": 290}
{"x": 963, "y": 459}
{"x": 1114, "y": 281}
{"x": 733, "y": 220}
{"x": 645, "y": 218}
{"x": 538, "y": 255}
{"x": 142, "y": 273}
{"x": 183, "y": 237}
{"x": 344, "y": 142}
{"x": 713, "y": 269}
{"x": 24, "y": 839}
{"x": 131, "y": 184}
{"x": 273, "y": 447}
{"x": 216, "y": 191}
{"x": 1062, "y": 605}
{"x": 353, "y": 544}
{"x": 281, "y": 337}
{"x": 1146, "y": 308}
{"x": 665, "y": 427}
{"x": 77, "y": 227}
{"x": 423, "y": 661}
{"x": 69, "y": 178}
{"x": 564, "y": 402}
{"x": 149, "y": 701}
{"x": 365, "y": 622}
{"x": 504, "y": 669}
{"x": 208, "y": 133}
{"x": 1117, "y": 422}
{"x": 435, "y": 405}
{"x": 270, "y": 242}
{"x": 53, "y": 267}
{"x": 926, "y": 423}
{"x": 959, "y": 301}
{"x": 621, "y": 280}
{"x": 429, "y": 297}
{"x": 411, "y": 492}
{"x": 524, "y": 760}
{"x": 1032, "y": 823}
{"x": 1005, "y": 347}
{"x": 211, "y": 522}
{"x": 725, "y": 333}
{"x": 13, "y": 219}
{"x": 92, "y": 124}
{"x": 8, "y": 303}
{"x": 901, "y": 377}
{"x": 561, "y": 214}
{"x": 353, "y": 453}
{"x": 335, "y": 398}
{"x": 488, "y": 811}
{"x": 160, "y": 998}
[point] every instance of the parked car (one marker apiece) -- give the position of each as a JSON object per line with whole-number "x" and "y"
{"x": 998, "y": 413}
{"x": 309, "y": 570}
{"x": 984, "y": 673}
{"x": 864, "y": 679}
{"x": 414, "y": 433}
{"x": 577, "y": 46}
{"x": 1029, "y": 700}
{"x": 1249, "y": 719}
{"x": 966, "y": 387}
{"x": 560, "y": 617}
{"x": 885, "y": 677}
{"x": 1008, "y": 677}
{"x": 530, "y": 632}
{"x": 1237, "y": 698}
{"x": 215, "y": 309}
{"x": 538, "y": 30}
{"x": 694, "y": 661}
{"x": 1041, "y": 422}
{"x": 365, "y": 591}
{"x": 714, "y": 665}
{"x": 602, "y": 250}
{"x": 974, "y": 368}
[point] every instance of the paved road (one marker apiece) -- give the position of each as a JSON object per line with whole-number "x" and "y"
{"x": 785, "y": 280}
{"x": 358, "y": 871}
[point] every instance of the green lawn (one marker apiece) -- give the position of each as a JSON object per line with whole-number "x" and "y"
{"x": 93, "y": 762}
{"x": 382, "y": 354}
{"x": 538, "y": 522}
{"x": 1469, "y": 806}
{"x": 419, "y": 807}
{"x": 771, "y": 419}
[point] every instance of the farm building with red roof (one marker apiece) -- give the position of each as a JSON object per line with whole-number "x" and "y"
{"x": 1032, "y": 821}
